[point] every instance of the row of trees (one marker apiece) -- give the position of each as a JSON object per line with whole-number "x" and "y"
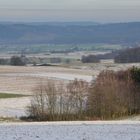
{"x": 112, "y": 95}
{"x": 128, "y": 56}
{"x": 90, "y": 59}
{"x": 22, "y": 60}
{"x": 96, "y": 58}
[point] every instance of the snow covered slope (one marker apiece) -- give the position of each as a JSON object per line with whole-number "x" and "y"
{"x": 121, "y": 130}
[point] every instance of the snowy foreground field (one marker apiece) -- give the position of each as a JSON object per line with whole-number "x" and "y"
{"x": 110, "y": 130}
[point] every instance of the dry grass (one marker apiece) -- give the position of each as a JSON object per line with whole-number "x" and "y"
{"x": 22, "y": 80}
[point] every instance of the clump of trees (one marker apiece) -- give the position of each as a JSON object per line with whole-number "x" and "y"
{"x": 90, "y": 59}
{"x": 18, "y": 61}
{"x": 112, "y": 95}
{"x": 128, "y": 56}
{"x": 115, "y": 94}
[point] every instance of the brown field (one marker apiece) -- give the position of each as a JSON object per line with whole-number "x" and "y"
{"x": 18, "y": 79}
{"x": 23, "y": 79}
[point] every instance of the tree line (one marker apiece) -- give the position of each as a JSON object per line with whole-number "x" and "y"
{"x": 131, "y": 55}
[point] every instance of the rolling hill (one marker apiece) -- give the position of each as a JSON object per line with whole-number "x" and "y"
{"x": 70, "y": 33}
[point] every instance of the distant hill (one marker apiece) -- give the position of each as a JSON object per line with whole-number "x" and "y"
{"x": 80, "y": 23}
{"x": 69, "y": 33}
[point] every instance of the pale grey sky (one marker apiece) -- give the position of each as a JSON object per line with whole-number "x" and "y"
{"x": 70, "y": 10}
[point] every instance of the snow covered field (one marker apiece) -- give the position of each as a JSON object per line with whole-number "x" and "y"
{"x": 14, "y": 107}
{"x": 121, "y": 130}
{"x": 52, "y": 75}
{"x": 22, "y": 80}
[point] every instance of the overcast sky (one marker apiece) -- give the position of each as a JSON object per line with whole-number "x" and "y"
{"x": 70, "y": 10}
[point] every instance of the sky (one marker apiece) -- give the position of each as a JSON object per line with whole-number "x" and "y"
{"x": 70, "y": 10}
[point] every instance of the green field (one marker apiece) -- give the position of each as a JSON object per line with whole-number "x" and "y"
{"x": 42, "y": 48}
{"x": 10, "y": 95}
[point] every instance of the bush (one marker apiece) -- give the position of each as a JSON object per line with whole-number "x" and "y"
{"x": 53, "y": 102}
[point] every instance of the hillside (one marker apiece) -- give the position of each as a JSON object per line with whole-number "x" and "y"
{"x": 76, "y": 33}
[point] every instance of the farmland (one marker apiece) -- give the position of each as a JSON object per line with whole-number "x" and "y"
{"x": 69, "y": 70}
{"x": 23, "y": 79}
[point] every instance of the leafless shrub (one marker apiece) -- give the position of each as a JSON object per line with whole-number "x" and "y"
{"x": 59, "y": 102}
